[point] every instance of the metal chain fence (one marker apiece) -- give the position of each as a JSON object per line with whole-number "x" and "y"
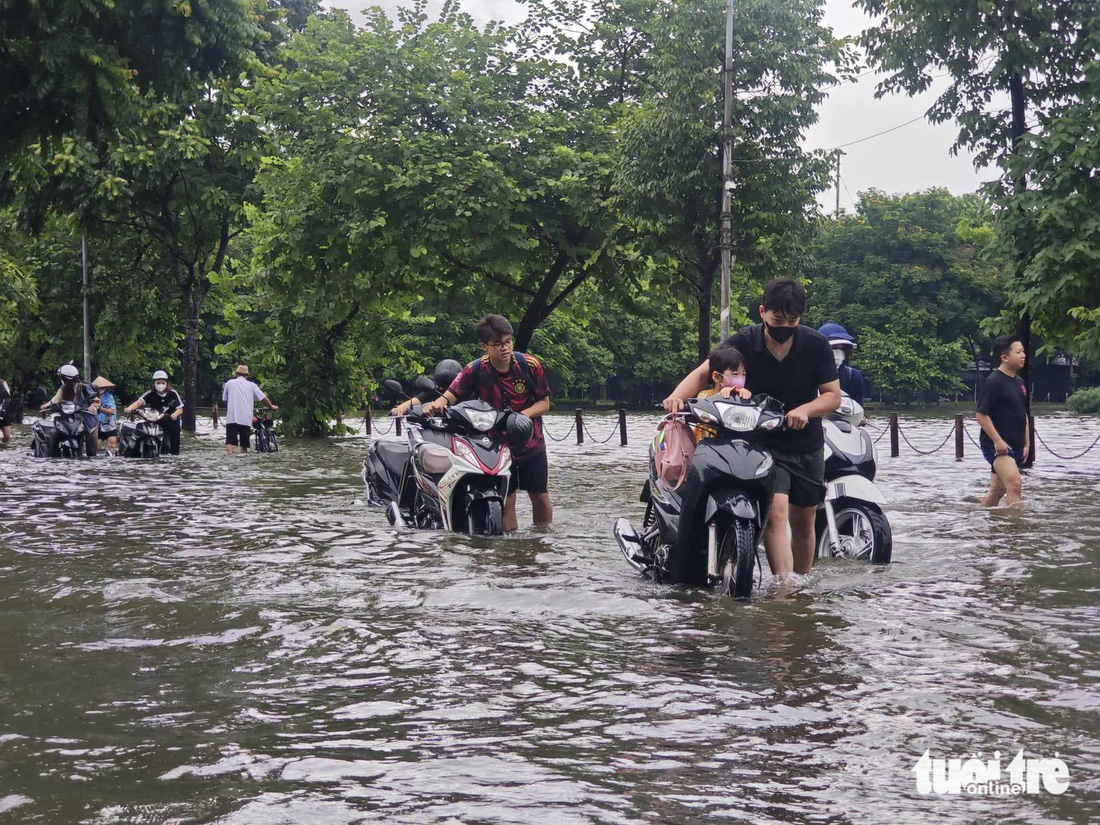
{"x": 926, "y": 452}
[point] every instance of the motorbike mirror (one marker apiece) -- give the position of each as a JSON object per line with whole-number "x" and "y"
{"x": 393, "y": 388}
{"x": 425, "y": 384}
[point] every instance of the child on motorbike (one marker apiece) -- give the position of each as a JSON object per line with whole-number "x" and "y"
{"x": 727, "y": 376}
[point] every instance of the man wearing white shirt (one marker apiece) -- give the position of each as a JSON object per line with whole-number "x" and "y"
{"x": 239, "y": 395}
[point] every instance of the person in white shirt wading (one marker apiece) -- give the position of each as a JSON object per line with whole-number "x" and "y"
{"x": 239, "y": 395}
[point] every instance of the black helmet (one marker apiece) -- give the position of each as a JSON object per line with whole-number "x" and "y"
{"x": 520, "y": 428}
{"x": 446, "y": 371}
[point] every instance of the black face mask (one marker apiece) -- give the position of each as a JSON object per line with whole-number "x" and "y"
{"x": 779, "y": 334}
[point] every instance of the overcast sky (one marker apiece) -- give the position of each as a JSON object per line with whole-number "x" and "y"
{"x": 914, "y": 157}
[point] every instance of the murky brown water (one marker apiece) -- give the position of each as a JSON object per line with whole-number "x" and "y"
{"x": 240, "y": 640}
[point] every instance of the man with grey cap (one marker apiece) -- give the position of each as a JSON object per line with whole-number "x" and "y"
{"x": 240, "y": 395}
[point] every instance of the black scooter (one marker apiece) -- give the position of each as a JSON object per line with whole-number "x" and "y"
{"x": 143, "y": 435}
{"x": 707, "y": 530}
{"x": 264, "y": 427}
{"x": 61, "y": 436}
{"x": 452, "y": 470}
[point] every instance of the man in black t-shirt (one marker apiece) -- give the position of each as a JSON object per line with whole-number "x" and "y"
{"x": 1002, "y": 414}
{"x": 795, "y": 365}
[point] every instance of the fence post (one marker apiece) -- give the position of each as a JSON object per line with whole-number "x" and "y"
{"x": 622, "y": 426}
{"x": 397, "y": 425}
{"x": 367, "y": 423}
{"x": 1031, "y": 441}
{"x": 580, "y": 426}
{"x": 894, "y": 449}
{"x": 959, "y": 437}
{"x": 215, "y": 415}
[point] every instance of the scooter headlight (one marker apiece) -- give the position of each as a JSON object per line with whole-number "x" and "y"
{"x": 771, "y": 423}
{"x": 740, "y": 419}
{"x": 482, "y": 420}
{"x": 68, "y": 407}
{"x": 765, "y": 465}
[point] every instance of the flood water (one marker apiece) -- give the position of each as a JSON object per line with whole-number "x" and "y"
{"x": 241, "y": 640}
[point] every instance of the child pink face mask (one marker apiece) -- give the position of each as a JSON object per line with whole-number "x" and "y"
{"x": 735, "y": 381}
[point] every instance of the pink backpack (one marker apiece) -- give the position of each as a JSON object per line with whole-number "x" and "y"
{"x": 673, "y": 449}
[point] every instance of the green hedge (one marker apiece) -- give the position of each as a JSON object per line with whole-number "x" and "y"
{"x": 1085, "y": 401}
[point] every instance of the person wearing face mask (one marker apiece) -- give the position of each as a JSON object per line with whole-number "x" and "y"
{"x": 163, "y": 399}
{"x": 851, "y": 379}
{"x": 727, "y": 373}
{"x": 793, "y": 364}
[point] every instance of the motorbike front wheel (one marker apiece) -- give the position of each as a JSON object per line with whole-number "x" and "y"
{"x": 737, "y": 563}
{"x": 486, "y": 518}
{"x": 863, "y": 530}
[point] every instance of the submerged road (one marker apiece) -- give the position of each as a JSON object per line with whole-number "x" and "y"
{"x": 241, "y": 640}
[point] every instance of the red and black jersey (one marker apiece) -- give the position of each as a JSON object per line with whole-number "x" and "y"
{"x": 516, "y": 390}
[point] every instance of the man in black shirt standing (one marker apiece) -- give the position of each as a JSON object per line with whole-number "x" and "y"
{"x": 793, "y": 364}
{"x": 1002, "y": 415}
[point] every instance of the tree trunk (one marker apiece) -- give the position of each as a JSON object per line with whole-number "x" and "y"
{"x": 706, "y": 298}
{"x": 192, "y": 299}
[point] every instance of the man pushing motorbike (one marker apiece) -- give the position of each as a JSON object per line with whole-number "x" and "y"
{"x": 793, "y": 364}
{"x": 86, "y": 398}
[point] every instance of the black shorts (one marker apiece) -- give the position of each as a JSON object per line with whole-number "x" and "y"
{"x": 800, "y": 477}
{"x": 105, "y": 434}
{"x": 237, "y": 435}
{"x": 531, "y": 474}
{"x": 5, "y": 421}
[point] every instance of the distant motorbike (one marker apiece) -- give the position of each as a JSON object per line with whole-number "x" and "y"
{"x": 851, "y": 524}
{"x": 264, "y": 427}
{"x": 61, "y": 435}
{"x": 451, "y": 472}
{"x": 703, "y": 521}
{"x": 143, "y": 435}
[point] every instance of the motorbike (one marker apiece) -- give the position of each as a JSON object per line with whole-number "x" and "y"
{"x": 705, "y": 525}
{"x": 143, "y": 437}
{"x": 62, "y": 435}
{"x": 451, "y": 472}
{"x": 264, "y": 427}
{"x": 851, "y": 523}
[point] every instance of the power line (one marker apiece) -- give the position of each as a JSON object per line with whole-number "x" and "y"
{"x": 879, "y": 134}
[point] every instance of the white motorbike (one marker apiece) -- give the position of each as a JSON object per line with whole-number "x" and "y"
{"x": 452, "y": 472}
{"x": 851, "y": 523}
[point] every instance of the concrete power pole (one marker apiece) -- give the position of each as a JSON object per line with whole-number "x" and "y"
{"x": 87, "y": 340}
{"x": 727, "y": 174}
{"x": 836, "y": 212}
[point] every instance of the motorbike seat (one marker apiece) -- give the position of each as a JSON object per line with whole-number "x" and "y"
{"x": 393, "y": 456}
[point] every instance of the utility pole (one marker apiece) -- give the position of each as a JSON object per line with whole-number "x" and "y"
{"x": 1019, "y": 186}
{"x": 84, "y": 266}
{"x": 727, "y": 174}
{"x": 838, "y": 153}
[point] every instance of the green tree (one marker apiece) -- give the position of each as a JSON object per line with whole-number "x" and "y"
{"x": 910, "y": 366}
{"x": 76, "y": 69}
{"x": 926, "y": 262}
{"x": 1058, "y": 216}
{"x": 669, "y": 167}
{"x": 1008, "y": 63}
